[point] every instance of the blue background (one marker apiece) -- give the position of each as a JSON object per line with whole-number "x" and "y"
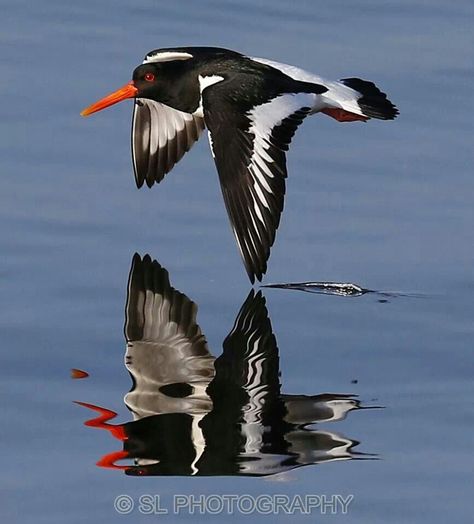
{"x": 388, "y": 205}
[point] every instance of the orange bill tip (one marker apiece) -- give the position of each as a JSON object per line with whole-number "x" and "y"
{"x": 78, "y": 373}
{"x": 127, "y": 91}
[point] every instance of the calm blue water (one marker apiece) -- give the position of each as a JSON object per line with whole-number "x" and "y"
{"x": 386, "y": 205}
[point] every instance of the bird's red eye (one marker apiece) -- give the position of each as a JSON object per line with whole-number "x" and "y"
{"x": 149, "y": 77}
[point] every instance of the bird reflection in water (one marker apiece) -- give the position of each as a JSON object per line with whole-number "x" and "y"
{"x": 194, "y": 414}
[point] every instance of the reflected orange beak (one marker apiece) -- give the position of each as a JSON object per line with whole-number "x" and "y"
{"x": 127, "y": 91}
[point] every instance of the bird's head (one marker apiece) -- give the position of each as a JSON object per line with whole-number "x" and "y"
{"x": 144, "y": 84}
{"x": 152, "y": 79}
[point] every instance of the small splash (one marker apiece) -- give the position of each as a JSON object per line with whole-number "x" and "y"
{"x": 343, "y": 289}
{"x": 78, "y": 373}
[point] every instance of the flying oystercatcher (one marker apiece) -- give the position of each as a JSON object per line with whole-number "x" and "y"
{"x": 251, "y": 108}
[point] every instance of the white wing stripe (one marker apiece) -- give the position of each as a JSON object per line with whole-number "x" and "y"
{"x": 154, "y": 132}
{"x": 260, "y": 195}
{"x": 264, "y": 119}
{"x": 257, "y": 211}
{"x": 338, "y": 94}
{"x": 255, "y": 228}
{"x": 257, "y": 171}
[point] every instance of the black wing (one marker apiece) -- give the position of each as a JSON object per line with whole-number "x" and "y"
{"x": 247, "y": 372}
{"x": 160, "y": 137}
{"x": 248, "y": 142}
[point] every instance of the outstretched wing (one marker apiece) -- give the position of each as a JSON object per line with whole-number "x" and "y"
{"x": 247, "y": 384}
{"x": 160, "y": 137}
{"x": 167, "y": 354}
{"x": 250, "y": 359}
{"x": 248, "y": 139}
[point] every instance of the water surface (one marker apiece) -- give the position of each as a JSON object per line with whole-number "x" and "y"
{"x": 386, "y": 205}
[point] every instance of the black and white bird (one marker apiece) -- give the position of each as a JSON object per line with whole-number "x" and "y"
{"x": 251, "y": 108}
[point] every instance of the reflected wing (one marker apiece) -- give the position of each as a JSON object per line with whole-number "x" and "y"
{"x": 248, "y": 368}
{"x": 327, "y": 407}
{"x": 167, "y": 354}
{"x": 160, "y": 137}
{"x": 248, "y": 145}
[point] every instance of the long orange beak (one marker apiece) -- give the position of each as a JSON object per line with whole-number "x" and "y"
{"x": 127, "y": 91}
